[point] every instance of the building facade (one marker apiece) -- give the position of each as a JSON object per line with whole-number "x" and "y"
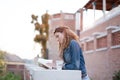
{"x": 56, "y": 20}
{"x": 101, "y": 46}
{"x": 100, "y": 43}
{"x": 15, "y": 65}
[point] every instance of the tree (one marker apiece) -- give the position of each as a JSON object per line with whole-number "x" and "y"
{"x": 43, "y": 29}
{"x": 116, "y": 75}
{"x": 10, "y": 76}
{"x": 2, "y": 63}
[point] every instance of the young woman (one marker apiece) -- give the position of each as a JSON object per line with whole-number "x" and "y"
{"x": 70, "y": 50}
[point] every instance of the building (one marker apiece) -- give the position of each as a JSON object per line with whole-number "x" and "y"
{"x": 14, "y": 64}
{"x": 66, "y": 19}
{"x": 101, "y": 42}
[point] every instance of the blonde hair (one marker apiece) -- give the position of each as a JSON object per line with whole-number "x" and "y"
{"x": 68, "y": 36}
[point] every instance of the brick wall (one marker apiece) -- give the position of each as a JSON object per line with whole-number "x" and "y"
{"x": 16, "y": 69}
{"x": 100, "y": 45}
{"x": 102, "y": 42}
{"x": 89, "y": 44}
{"x": 66, "y": 19}
{"x": 116, "y": 38}
{"x": 103, "y": 60}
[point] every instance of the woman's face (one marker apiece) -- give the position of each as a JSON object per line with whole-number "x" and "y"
{"x": 59, "y": 36}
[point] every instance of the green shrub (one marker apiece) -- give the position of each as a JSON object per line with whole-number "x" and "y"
{"x": 116, "y": 75}
{"x": 10, "y": 76}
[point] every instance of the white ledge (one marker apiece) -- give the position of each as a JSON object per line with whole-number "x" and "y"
{"x": 116, "y": 30}
{"x": 84, "y": 39}
{"x": 112, "y": 27}
{"x": 116, "y": 46}
{"x": 102, "y": 35}
{"x": 90, "y": 51}
{"x": 102, "y": 49}
{"x": 89, "y": 39}
{"x": 96, "y": 33}
{"x": 55, "y": 19}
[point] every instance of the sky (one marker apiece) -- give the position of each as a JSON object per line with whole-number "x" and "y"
{"x": 17, "y": 32}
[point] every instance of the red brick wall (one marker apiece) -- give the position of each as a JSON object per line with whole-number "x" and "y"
{"x": 70, "y": 23}
{"x": 27, "y": 74}
{"x": 102, "y": 63}
{"x": 16, "y": 69}
{"x": 102, "y": 42}
{"x": 102, "y": 27}
{"x": 116, "y": 38}
{"x": 90, "y": 45}
{"x": 56, "y": 15}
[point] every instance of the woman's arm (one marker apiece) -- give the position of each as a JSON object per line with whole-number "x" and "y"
{"x": 75, "y": 57}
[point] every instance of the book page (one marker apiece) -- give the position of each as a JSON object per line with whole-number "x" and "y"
{"x": 45, "y": 63}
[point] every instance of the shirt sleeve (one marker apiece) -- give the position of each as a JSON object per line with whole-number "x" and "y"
{"x": 75, "y": 57}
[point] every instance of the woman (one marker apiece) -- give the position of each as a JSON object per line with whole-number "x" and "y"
{"x": 70, "y": 50}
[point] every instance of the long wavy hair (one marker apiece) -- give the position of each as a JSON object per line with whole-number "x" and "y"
{"x": 68, "y": 36}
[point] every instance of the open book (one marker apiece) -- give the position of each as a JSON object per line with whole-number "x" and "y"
{"x": 45, "y": 62}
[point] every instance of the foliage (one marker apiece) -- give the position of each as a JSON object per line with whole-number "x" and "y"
{"x": 3, "y": 74}
{"x": 10, "y": 76}
{"x": 43, "y": 29}
{"x": 1, "y": 54}
{"x": 2, "y": 67}
{"x": 116, "y": 75}
{"x": 39, "y": 38}
{"x": 2, "y": 62}
{"x": 45, "y": 19}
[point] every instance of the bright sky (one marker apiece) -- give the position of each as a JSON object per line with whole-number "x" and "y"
{"x": 16, "y": 31}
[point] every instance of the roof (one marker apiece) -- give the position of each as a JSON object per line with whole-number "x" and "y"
{"x": 12, "y": 58}
{"x": 99, "y": 4}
